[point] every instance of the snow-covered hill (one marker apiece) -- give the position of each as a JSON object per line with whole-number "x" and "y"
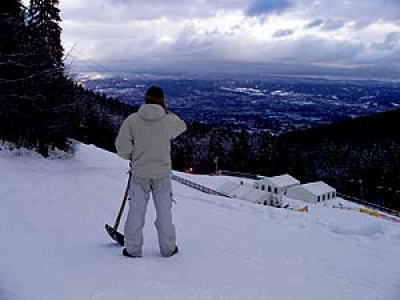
{"x": 53, "y": 244}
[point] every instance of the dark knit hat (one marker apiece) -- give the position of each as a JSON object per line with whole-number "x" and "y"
{"x": 155, "y": 95}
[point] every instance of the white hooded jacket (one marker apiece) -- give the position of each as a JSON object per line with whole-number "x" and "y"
{"x": 145, "y": 139}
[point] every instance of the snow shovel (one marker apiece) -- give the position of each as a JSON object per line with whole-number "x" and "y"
{"x": 112, "y": 231}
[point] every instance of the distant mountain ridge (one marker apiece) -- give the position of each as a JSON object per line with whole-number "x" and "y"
{"x": 379, "y": 125}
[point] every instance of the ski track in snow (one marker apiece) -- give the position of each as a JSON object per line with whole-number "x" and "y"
{"x": 54, "y": 245}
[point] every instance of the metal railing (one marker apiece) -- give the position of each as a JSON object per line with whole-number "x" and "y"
{"x": 197, "y": 186}
{"x": 370, "y": 205}
{"x": 238, "y": 174}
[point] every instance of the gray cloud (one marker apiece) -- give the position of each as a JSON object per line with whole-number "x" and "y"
{"x": 189, "y": 43}
{"x": 391, "y": 42}
{"x": 137, "y": 10}
{"x": 265, "y": 7}
{"x": 307, "y": 55}
{"x": 362, "y": 13}
{"x": 133, "y": 33}
{"x": 326, "y": 25}
{"x": 332, "y": 25}
{"x": 313, "y": 50}
{"x": 314, "y": 24}
{"x": 284, "y": 33}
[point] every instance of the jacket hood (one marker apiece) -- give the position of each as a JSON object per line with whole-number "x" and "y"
{"x": 151, "y": 112}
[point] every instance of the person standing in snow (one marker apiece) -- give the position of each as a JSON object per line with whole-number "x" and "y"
{"x": 145, "y": 140}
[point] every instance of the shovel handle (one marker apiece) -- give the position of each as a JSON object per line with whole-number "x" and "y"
{"x": 121, "y": 210}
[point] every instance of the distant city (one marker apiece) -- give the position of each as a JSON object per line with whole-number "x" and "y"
{"x": 260, "y": 103}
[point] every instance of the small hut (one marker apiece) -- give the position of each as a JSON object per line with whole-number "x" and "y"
{"x": 314, "y": 192}
{"x": 277, "y": 185}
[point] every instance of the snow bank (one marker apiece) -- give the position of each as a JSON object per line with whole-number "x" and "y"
{"x": 8, "y": 149}
{"x": 54, "y": 246}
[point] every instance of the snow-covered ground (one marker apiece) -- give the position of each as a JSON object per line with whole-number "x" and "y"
{"x": 54, "y": 246}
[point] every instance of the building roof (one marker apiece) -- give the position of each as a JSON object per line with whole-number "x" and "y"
{"x": 242, "y": 191}
{"x": 282, "y": 180}
{"x": 228, "y": 188}
{"x": 318, "y": 188}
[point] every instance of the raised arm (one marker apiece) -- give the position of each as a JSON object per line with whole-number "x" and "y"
{"x": 178, "y": 125}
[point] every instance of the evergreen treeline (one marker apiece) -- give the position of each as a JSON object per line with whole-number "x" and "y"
{"x": 40, "y": 107}
{"x": 360, "y": 157}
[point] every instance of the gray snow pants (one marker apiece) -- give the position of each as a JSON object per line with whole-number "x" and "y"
{"x": 139, "y": 194}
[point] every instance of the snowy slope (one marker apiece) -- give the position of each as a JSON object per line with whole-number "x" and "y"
{"x": 53, "y": 244}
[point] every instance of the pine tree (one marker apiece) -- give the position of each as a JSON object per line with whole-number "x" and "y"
{"x": 12, "y": 28}
{"x": 265, "y": 155}
{"x": 49, "y": 84}
{"x": 45, "y": 32}
{"x": 241, "y": 152}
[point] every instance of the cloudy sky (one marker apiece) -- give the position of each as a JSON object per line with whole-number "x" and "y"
{"x": 354, "y": 36}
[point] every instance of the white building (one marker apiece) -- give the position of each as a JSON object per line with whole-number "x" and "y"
{"x": 277, "y": 185}
{"x": 248, "y": 193}
{"x": 258, "y": 196}
{"x": 313, "y": 192}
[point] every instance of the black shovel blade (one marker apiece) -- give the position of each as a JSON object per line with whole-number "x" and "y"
{"x": 115, "y": 235}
